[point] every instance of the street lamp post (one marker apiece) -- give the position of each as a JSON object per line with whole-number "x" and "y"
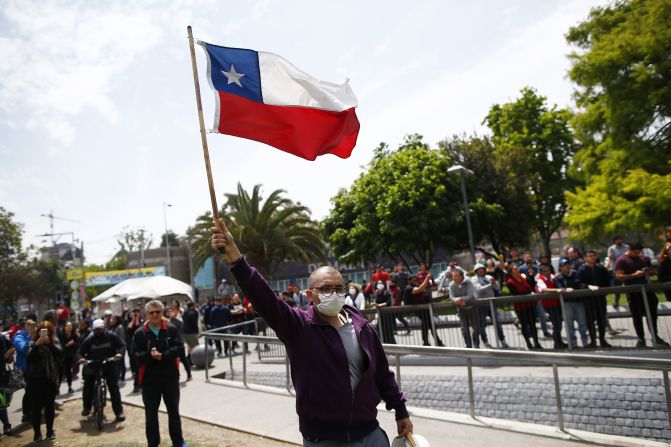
{"x": 458, "y": 169}
{"x": 167, "y": 240}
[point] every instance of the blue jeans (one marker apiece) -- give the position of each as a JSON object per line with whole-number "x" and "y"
{"x": 377, "y": 438}
{"x": 487, "y": 311}
{"x": 575, "y": 311}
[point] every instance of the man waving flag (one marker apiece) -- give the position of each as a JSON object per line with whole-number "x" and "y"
{"x": 263, "y": 97}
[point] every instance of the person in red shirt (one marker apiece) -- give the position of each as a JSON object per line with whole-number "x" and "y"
{"x": 518, "y": 285}
{"x": 545, "y": 283}
{"x": 380, "y": 275}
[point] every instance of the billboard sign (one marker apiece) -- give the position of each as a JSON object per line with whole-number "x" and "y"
{"x": 116, "y": 276}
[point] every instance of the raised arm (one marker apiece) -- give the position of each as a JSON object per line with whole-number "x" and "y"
{"x": 280, "y": 316}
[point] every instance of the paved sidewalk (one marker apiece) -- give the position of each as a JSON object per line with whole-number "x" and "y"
{"x": 271, "y": 412}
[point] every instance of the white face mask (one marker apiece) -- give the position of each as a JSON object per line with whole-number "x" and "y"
{"x": 330, "y": 305}
{"x": 380, "y": 287}
{"x": 352, "y": 292}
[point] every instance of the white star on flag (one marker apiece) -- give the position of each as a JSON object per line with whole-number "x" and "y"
{"x": 233, "y": 76}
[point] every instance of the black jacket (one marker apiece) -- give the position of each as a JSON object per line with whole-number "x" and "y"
{"x": 69, "y": 352}
{"x": 102, "y": 347}
{"x": 168, "y": 342}
{"x": 44, "y": 362}
{"x": 190, "y": 318}
{"x": 594, "y": 276}
{"x": 4, "y": 345}
{"x": 569, "y": 282}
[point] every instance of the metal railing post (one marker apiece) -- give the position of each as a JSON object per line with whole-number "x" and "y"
{"x": 398, "y": 370}
{"x": 244, "y": 363}
{"x": 667, "y": 392}
{"x": 379, "y": 322}
{"x": 648, "y": 315}
{"x": 207, "y": 361}
{"x": 566, "y": 324}
{"x": 433, "y": 325}
{"x": 560, "y": 412}
{"x": 230, "y": 357}
{"x": 471, "y": 393}
{"x": 494, "y": 323}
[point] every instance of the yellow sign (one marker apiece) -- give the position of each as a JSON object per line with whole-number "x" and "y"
{"x": 76, "y": 273}
{"x": 116, "y": 276}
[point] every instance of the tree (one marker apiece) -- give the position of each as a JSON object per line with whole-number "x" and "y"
{"x": 622, "y": 71}
{"x": 172, "y": 238}
{"x": 11, "y": 252}
{"x": 541, "y": 143}
{"x": 37, "y": 280}
{"x": 129, "y": 241}
{"x": 268, "y": 231}
{"x": 200, "y": 240}
{"x": 497, "y": 213}
{"x": 404, "y": 205}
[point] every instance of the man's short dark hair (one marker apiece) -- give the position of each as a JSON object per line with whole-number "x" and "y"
{"x": 636, "y": 245}
{"x": 617, "y": 237}
{"x": 591, "y": 252}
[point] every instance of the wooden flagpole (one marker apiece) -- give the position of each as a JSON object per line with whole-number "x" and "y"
{"x": 206, "y": 152}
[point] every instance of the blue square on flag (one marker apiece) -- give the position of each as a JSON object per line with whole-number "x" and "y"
{"x": 235, "y": 70}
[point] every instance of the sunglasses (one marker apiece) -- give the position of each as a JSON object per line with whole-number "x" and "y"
{"x": 154, "y": 312}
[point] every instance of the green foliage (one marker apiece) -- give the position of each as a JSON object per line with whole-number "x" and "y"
{"x": 11, "y": 252}
{"x": 622, "y": 72}
{"x": 172, "y": 238}
{"x": 498, "y": 213}
{"x": 37, "y": 280}
{"x": 540, "y": 144}
{"x": 199, "y": 236}
{"x": 268, "y": 231}
{"x": 404, "y": 204}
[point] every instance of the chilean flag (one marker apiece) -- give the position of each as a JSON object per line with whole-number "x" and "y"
{"x": 261, "y": 96}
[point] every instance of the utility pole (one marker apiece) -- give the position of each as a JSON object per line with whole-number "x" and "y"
{"x": 141, "y": 231}
{"x": 461, "y": 171}
{"x": 167, "y": 239}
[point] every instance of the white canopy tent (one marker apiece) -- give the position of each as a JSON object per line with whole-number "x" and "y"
{"x": 150, "y": 287}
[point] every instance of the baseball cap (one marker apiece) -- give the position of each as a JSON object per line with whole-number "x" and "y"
{"x": 478, "y": 266}
{"x": 107, "y": 312}
{"x": 98, "y": 324}
{"x": 563, "y": 261}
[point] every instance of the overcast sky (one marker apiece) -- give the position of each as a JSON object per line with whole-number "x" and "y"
{"x": 97, "y": 108}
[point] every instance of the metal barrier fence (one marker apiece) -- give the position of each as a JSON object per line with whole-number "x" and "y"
{"x": 438, "y": 324}
{"x": 550, "y": 359}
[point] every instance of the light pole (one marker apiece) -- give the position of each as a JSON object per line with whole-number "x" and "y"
{"x": 167, "y": 240}
{"x": 458, "y": 169}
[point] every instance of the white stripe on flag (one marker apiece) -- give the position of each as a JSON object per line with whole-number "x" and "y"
{"x": 282, "y": 84}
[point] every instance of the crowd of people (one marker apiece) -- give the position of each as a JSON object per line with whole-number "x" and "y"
{"x": 55, "y": 350}
{"x": 623, "y": 265}
{"x": 493, "y": 276}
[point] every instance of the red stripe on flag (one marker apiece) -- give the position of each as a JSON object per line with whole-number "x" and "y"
{"x": 301, "y": 131}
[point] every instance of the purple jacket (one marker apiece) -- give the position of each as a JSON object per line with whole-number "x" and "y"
{"x": 327, "y": 406}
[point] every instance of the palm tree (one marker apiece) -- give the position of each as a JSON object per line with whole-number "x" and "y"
{"x": 268, "y": 232}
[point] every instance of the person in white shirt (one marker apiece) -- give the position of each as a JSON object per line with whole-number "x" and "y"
{"x": 354, "y": 297}
{"x": 487, "y": 286}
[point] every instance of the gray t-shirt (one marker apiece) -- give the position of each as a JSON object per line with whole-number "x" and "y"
{"x": 615, "y": 252}
{"x": 354, "y": 353}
